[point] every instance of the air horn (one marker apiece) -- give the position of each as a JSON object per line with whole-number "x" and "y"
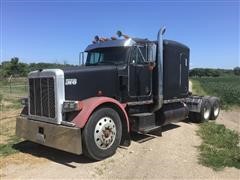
{"x": 119, "y": 33}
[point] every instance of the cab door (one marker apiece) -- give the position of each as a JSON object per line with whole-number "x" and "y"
{"x": 139, "y": 75}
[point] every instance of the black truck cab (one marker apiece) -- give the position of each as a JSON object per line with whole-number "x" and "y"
{"x": 124, "y": 85}
{"x": 128, "y": 70}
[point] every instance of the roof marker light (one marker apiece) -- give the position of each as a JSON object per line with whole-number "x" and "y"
{"x": 96, "y": 38}
{"x": 113, "y": 38}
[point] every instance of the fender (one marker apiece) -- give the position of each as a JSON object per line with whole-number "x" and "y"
{"x": 90, "y": 104}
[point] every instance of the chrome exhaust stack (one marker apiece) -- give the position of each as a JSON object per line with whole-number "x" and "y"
{"x": 159, "y": 99}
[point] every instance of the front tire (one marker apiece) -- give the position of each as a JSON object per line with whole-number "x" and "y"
{"x": 102, "y": 134}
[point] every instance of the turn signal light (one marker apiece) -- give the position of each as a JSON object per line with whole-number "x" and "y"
{"x": 69, "y": 106}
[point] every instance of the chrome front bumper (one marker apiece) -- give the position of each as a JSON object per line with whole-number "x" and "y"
{"x": 56, "y": 136}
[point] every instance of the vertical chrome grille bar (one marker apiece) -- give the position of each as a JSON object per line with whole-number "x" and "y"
{"x": 41, "y": 100}
{"x": 48, "y": 98}
{"x": 34, "y": 95}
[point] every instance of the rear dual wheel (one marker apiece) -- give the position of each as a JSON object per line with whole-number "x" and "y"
{"x": 102, "y": 134}
{"x": 215, "y": 107}
{"x": 209, "y": 110}
{"x": 205, "y": 111}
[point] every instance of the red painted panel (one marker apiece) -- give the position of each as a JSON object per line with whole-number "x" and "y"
{"x": 89, "y": 105}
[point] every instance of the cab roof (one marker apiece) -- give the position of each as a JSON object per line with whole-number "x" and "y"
{"x": 116, "y": 43}
{"x": 111, "y": 43}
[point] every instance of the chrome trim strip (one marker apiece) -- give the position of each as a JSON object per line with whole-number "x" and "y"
{"x": 48, "y": 98}
{"x": 35, "y": 110}
{"x": 174, "y": 100}
{"x": 140, "y": 102}
{"x": 41, "y": 96}
{"x": 66, "y": 123}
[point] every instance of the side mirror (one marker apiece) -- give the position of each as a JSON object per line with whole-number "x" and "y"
{"x": 82, "y": 58}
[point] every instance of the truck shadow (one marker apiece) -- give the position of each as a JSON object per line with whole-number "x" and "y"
{"x": 66, "y": 159}
{"x": 51, "y": 154}
{"x": 141, "y": 138}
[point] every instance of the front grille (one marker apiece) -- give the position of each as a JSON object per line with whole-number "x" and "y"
{"x": 42, "y": 97}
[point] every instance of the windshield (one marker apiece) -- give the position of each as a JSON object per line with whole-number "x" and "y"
{"x": 113, "y": 55}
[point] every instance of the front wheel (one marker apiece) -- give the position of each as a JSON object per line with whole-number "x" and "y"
{"x": 102, "y": 134}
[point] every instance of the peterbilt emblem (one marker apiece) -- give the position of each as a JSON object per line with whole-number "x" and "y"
{"x": 70, "y": 82}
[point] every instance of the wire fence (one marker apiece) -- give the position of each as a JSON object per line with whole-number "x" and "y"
{"x": 13, "y": 85}
{"x": 11, "y": 91}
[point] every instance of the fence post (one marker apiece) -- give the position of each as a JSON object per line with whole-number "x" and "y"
{"x": 10, "y": 80}
{"x": 25, "y": 85}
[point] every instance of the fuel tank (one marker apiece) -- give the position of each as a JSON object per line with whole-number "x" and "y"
{"x": 173, "y": 112}
{"x": 90, "y": 81}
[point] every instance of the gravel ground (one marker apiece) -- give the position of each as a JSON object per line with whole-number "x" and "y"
{"x": 174, "y": 155}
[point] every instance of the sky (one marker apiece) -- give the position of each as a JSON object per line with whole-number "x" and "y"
{"x": 57, "y": 30}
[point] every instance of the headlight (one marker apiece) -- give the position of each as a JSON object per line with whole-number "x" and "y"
{"x": 24, "y": 101}
{"x": 69, "y": 106}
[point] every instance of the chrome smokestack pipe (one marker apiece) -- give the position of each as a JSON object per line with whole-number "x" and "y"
{"x": 159, "y": 102}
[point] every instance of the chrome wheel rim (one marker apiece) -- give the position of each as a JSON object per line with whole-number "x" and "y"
{"x": 216, "y": 110}
{"x": 105, "y": 133}
{"x": 206, "y": 113}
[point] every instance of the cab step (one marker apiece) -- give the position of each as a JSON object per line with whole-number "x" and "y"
{"x": 141, "y": 114}
{"x": 144, "y": 123}
{"x": 150, "y": 129}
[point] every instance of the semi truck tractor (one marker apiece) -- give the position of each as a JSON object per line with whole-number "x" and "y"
{"x": 124, "y": 85}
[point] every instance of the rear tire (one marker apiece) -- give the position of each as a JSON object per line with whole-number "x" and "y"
{"x": 192, "y": 116}
{"x": 102, "y": 134}
{"x": 215, "y": 107}
{"x": 204, "y": 114}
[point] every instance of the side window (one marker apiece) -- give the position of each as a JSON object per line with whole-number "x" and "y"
{"x": 148, "y": 52}
{"x": 143, "y": 52}
{"x": 136, "y": 56}
{"x": 152, "y": 52}
{"x": 132, "y": 59}
{"x": 95, "y": 57}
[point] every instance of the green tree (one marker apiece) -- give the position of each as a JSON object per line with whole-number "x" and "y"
{"x": 14, "y": 67}
{"x": 208, "y": 72}
{"x": 236, "y": 71}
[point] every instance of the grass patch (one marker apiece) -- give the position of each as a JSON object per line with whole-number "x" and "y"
{"x": 197, "y": 88}
{"x": 220, "y": 147}
{"x": 227, "y": 88}
{"x": 7, "y": 149}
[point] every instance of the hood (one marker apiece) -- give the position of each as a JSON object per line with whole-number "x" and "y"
{"x": 90, "y": 81}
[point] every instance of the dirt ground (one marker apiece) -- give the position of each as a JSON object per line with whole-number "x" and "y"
{"x": 174, "y": 155}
